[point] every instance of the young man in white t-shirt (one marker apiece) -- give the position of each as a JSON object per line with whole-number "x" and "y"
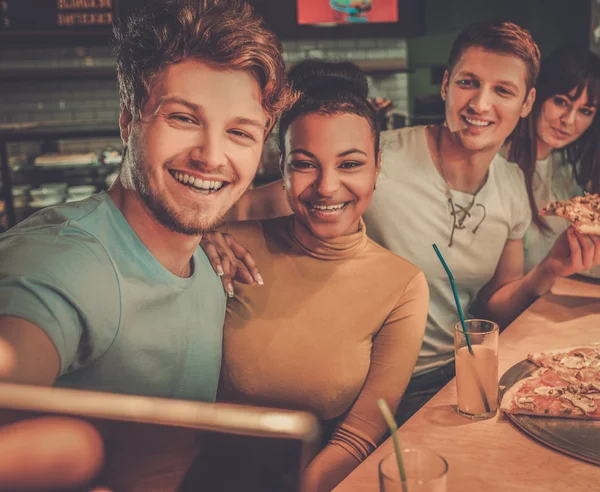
{"x": 447, "y": 185}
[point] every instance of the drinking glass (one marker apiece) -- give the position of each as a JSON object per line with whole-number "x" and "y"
{"x": 477, "y": 372}
{"x": 426, "y": 471}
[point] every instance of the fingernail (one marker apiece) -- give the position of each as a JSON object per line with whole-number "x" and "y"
{"x": 230, "y": 290}
{"x": 220, "y": 271}
{"x": 259, "y": 279}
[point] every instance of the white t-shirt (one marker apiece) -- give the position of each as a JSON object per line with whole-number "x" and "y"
{"x": 552, "y": 181}
{"x": 410, "y": 211}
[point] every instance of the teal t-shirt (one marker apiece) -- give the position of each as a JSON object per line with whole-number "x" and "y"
{"x": 120, "y": 321}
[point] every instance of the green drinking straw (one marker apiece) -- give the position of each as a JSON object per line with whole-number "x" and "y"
{"x": 462, "y": 321}
{"x": 389, "y": 418}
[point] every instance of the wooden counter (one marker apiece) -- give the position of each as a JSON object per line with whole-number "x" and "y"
{"x": 493, "y": 455}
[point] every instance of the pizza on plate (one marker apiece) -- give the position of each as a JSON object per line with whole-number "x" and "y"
{"x": 566, "y": 385}
{"x": 583, "y": 212}
{"x": 546, "y": 394}
{"x": 574, "y": 364}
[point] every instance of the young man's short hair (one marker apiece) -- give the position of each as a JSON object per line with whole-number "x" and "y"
{"x": 221, "y": 33}
{"x": 499, "y": 37}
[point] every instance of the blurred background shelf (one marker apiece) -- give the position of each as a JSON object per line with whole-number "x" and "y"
{"x": 48, "y": 134}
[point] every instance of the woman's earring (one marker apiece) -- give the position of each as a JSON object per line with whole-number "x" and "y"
{"x": 375, "y": 186}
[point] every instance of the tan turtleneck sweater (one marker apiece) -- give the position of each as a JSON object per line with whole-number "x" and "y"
{"x": 336, "y": 326}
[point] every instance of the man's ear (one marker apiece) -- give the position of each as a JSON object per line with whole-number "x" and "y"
{"x": 528, "y": 103}
{"x": 445, "y": 82}
{"x": 125, "y": 121}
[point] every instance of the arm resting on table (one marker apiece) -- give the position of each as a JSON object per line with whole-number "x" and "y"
{"x": 393, "y": 356}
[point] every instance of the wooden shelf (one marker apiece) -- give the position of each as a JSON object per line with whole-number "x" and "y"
{"x": 58, "y": 129}
{"x": 20, "y": 75}
{"x": 376, "y": 66}
{"x": 109, "y": 73}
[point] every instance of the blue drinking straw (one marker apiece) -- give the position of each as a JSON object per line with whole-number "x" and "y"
{"x": 456, "y": 300}
{"x": 462, "y": 322}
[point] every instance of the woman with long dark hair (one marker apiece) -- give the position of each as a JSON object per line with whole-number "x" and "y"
{"x": 558, "y": 144}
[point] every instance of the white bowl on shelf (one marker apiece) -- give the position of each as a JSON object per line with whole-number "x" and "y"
{"x": 49, "y": 190}
{"x": 20, "y": 196}
{"x": 45, "y": 202}
{"x": 55, "y": 186}
{"x": 81, "y": 190}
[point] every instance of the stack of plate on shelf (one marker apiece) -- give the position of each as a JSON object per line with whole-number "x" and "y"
{"x": 58, "y": 160}
{"x": 47, "y": 194}
{"x": 75, "y": 193}
{"x": 20, "y": 195}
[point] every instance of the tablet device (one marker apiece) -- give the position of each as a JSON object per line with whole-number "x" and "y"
{"x": 166, "y": 444}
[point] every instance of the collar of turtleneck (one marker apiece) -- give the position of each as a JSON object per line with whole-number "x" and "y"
{"x": 332, "y": 249}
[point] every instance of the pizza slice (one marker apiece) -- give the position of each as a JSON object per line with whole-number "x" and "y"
{"x": 574, "y": 364}
{"x": 583, "y": 212}
{"x": 546, "y": 394}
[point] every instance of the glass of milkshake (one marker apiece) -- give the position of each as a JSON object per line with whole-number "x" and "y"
{"x": 477, "y": 372}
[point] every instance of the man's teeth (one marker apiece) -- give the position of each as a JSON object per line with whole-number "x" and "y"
{"x": 328, "y": 207}
{"x": 478, "y": 122}
{"x": 197, "y": 183}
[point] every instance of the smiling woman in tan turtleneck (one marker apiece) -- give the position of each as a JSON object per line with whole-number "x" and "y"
{"x": 339, "y": 320}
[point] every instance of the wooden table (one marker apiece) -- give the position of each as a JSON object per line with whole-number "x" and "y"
{"x": 493, "y": 455}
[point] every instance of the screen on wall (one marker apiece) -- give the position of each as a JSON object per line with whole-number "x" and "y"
{"x": 340, "y": 19}
{"x": 339, "y": 12}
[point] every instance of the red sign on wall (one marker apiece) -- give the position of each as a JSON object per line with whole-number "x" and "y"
{"x": 311, "y": 12}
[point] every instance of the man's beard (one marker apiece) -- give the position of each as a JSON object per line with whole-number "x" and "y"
{"x": 160, "y": 208}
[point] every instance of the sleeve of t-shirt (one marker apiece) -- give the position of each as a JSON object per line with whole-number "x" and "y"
{"x": 521, "y": 210}
{"x": 62, "y": 280}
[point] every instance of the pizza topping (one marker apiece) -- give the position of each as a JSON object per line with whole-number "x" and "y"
{"x": 593, "y": 387}
{"x": 575, "y": 361}
{"x": 525, "y": 402}
{"x": 574, "y": 388}
{"x": 564, "y": 410}
{"x": 581, "y": 402}
{"x": 548, "y": 391}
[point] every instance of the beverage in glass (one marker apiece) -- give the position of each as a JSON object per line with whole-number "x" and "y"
{"x": 426, "y": 471}
{"x": 477, "y": 371}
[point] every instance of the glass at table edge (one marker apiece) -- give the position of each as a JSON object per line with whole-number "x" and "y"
{"x": 428, "y": 450}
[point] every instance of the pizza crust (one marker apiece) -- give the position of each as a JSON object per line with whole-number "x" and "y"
{"x": 592, "y": 229}
{"x": 541, "y": 356}
{"x": 507, "y": 404}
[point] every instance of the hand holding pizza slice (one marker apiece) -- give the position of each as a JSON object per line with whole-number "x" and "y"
{"x": 578, "y": 248}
